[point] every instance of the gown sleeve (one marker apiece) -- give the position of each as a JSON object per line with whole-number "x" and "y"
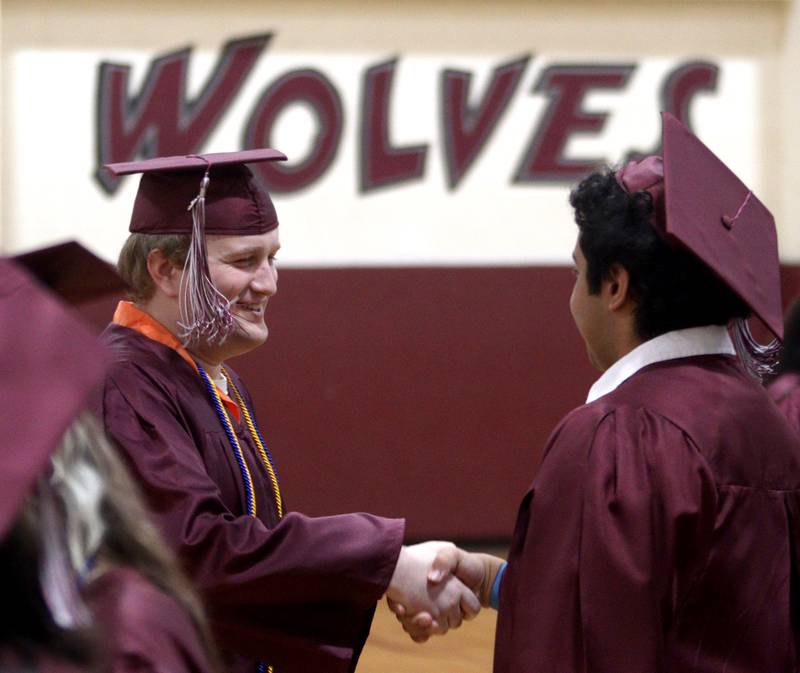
{"x": 300, "y": 594}
{"x": 648, "y": 496}
{"x": 595, "y": 571}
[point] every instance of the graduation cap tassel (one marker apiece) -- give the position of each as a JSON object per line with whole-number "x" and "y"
{"x": 759, "y": 360}
{"x": 204, "y": 311}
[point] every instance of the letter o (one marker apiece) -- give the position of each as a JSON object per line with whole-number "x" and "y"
{"x": 298, "y": 86}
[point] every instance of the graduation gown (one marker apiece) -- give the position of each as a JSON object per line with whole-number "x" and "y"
{"x": 785, "y": 392}
{"x": 297, "y": 594}
{"x": 660, "y": 533}
{"x": 11, "y": 662}
{"x": 141, "y": 629}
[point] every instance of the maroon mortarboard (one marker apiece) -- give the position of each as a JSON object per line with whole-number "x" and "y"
{"x": 703, "y": 205}
{"x": 201, "y": 194}
{"x": 720, "y": 220}
{"x": 72, "y": 271}
{"x": 234, "y": 201}
{"x": 49, "y": 364}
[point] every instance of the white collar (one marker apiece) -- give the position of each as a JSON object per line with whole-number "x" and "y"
{"x": 682, "y": 343}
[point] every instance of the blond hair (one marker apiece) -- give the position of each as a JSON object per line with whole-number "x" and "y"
{"x": 132, "y": 263}
{"x": 110, "y": 519}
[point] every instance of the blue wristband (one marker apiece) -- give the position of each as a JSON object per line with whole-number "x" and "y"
{"x": 494, "y": 600}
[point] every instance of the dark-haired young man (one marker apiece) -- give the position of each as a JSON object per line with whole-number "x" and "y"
{"x": 661, "y": 531}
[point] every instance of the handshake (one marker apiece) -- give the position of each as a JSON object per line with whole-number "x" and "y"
{"x": 436, "y": 585}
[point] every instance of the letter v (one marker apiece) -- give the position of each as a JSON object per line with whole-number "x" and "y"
{"x": 466, "y": 129}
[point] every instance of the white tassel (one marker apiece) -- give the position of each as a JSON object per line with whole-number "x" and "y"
{"x": 759, "y": 361}
{"x": 204, "y": 311}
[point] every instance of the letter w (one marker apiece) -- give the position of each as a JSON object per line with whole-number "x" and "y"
{"x": 159, "y": 121}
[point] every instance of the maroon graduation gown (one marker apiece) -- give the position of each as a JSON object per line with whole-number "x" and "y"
{"x": 141, "y": 629}
{"x": 660, "y": 533}
{"x": 785, "y": 392}
{"x": 298, "y": 593}
{"x": 11, "y": 662}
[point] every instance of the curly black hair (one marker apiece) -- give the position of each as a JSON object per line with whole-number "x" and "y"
{"x": 672, "y": 288}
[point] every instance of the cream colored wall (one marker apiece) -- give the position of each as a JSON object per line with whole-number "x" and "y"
{"x": 582, "y": 26}
{"x": 784, "y": 137}
{"x": 765, "y": 30}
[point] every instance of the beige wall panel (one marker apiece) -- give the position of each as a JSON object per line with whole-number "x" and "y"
{"x": 764, "y": 33}
{"x": 721, "y": 28}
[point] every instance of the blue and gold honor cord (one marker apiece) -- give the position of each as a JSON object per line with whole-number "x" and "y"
{"x": 247, "y": 478}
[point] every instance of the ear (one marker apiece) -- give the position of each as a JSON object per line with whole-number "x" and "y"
{"x": 166, "y": 276}
{"x": 618, "y": 288}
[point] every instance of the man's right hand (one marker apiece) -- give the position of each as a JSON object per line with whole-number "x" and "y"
{"x": 419, "y": 588}
{"x": 476, "y": 571}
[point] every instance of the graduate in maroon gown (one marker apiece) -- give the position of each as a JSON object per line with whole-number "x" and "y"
{"x": 661, "y": 531}
{"x": 145, "y": 614}
{"x": 282, "y": 589}
{"x": 109, "y": 597}
{"x": 49, "y": 366}
{"x": 785, "y": 388}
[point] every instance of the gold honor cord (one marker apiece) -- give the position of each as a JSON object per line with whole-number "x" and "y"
{"x": 239, "y": 454}
{"x": 262, "y": 450}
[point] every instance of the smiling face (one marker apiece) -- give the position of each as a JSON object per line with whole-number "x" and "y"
{"x": 243, "y": 269}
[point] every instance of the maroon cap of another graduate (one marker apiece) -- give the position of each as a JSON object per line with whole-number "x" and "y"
{"x": 701, "y": 203}
{"x": 72, "y": 271}
{"x": 201, "y": 194}
{"x": 49, "y": 363}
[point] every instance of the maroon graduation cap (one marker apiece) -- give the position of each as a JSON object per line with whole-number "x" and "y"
{"x": 234, "y": 202}
{"x": 72, "y": 271}
{"x": 701, "y": 203}
{"x": 49, "y": 364}
{"x": 201, "y": 194}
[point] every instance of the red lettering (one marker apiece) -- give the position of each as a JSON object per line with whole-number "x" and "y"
{"x": 683, "y": 84}
{"x": 677, "y": 93}
{"x": 159, "y": 120}
{"x": 300, "y": 86}
{"x": 381, "y": 164}
{"x": 467, "y": 129}
{"x": 566, "y": 87}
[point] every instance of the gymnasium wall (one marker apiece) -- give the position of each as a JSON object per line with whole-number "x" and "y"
{"x": 421, "y": 347}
